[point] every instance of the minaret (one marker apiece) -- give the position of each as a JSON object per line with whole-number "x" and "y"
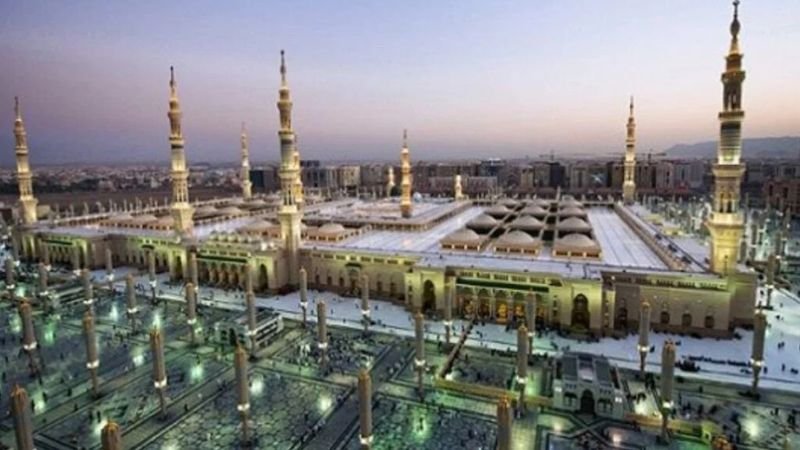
{"x": 181, "y": 209}
{"x": 244, "y": 172}
{"x": 27, "y": 202}
{"x": 458, "y": 193}
{"x": 389, "y": 181}
{"x": 726, "y": 224}
{"x": 629, "y": 183}
{"x": 298, "y": 180}
{"x": 289, "y": 214}
{"x": 405, "y": 182}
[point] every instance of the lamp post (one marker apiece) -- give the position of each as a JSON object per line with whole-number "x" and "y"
{"x": 130, "y": 302}
{"x": 365, "y": 409}
{"x": 419, "y": 357}
{"x": 92, "y": 361}
{"x": 304, "y": 295}
{"x": 322, "y": 332}
{"x": 644, "y": 335}
{"x": 365, "y": 302}
{"x": 243, "y": 390}
{"x": 159, "y": 369}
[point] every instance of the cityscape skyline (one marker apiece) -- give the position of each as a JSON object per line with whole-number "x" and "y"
{"x": 100, "y": 96}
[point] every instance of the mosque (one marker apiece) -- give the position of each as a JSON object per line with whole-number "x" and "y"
{"x": 585, "y": 264}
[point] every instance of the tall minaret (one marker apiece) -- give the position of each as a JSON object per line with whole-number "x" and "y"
{"x": 458, "y": 193}
{"x": 27, "y": 202}
{"x": 405, "y": 181}
{"x": 389, "y": 181}
{"x": 298, "y": 180}
{"x": 725, "y": 223}
{"x": 244, "y": 172}
{"x": 629, "y": 183}
{"x": 181, "y": 209}
{"x": 289, "y": 214}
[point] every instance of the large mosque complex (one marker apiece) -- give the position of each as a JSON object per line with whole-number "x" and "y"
{"x": 578, "y": 269}
{"x": 589, "y": 263}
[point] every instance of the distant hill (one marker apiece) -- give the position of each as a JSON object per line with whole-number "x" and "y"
{"x": 769, "y": 147}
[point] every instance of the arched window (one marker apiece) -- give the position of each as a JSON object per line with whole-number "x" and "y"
{"x": 664, "y": 318}
{"x": 709, "y": 322}
{"x": 686, "y": 320}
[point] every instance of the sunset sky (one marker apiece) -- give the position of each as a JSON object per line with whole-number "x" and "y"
{"x": 467, "y": 78}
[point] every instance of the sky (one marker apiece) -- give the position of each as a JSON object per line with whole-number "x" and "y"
{"x": 467, "y": 78}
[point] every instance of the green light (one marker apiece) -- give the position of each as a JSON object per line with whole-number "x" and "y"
{"x": 421, "y": 424}
{"x": 137, "y": 356}
{"x": 258, "y": 386}
{"x": 49, "y": 333}
{"x": 197, "y": 371}
{"x": 324, "y": 403}
{"x": 114, "y": 314}
{"x": 156, "y": 320}
{"x": 16, "y": 324}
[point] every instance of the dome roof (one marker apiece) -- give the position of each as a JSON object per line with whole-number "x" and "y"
{"x": 482, "y": 221}
{"x": 509, "y": 202}
{"x": 569, "y": 201}
{"x": 573, "y": 224}
{"x": 230, "y": 211}
{"x": 257, "y": 202}
{"x": 258, "y": 226}
{"x": 120, "y": 217}
{"x": 332, "y": 228}
{"x": 572, "y": 211}
{"x": 516, "y": 237}
{"x": 144, "y": 218}
{"x": 527, "y": 222}
{"x": 544, "y": 203}
{"x": 165, "y": 221}
{"x": 496, "y": 210}
{"x": 577, "y": 240}
{"x": 463, "y": 235}
{"x": 534, "y": 210}
{"x": 205, "y": 210}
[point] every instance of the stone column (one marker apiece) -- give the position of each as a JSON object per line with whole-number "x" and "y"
{"x": 322, "y": 331}
{"x": 76, "y": 261}
{"x": 159, "y": 369}
{"x": 29, "y": 343}
{"x": 248, "y": 279}
{"x": 757, "y": 354}
{"x": 419, "y": 356}
{"x": 130, "y": 300}
{"x": 304, "y": 295}
{"x": 88, "y": 291}
{"x": 522, "y": 363}
{"x": 10, "y": 277}
{"x": 667, "y": 382}
{"x": 770, "y": 284}
{"x": 250, "y": 303}
{"x": 111, "y": 436}
{"x": 503, "y": 424}
{"x": 448, "y": 313}
{"x": 44, "y": 256}
{"x": 530, "y": 318}
{"x": 365, "y": 409}
{"x": 44, "y": 292}
{"x": 151, "y": 275}
{"x": 193, "y": 272}
{"x": 644, "y": 335}
{"x": 23, "y": 423}
{"x": 92, "y": 361}
{"x": 110, "y": 268}
{"x": 191, "y": 310}
{"x": 243, "y": 390}
{"x": 365, "y": 302}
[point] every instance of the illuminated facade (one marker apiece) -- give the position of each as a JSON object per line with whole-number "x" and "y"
{"x": 181, "y": 209}
{"x": 244, "y": 172}
{"x": 27, "y": 202}
{"x": 726, "y": 223}
{"x": 629, "y": 183}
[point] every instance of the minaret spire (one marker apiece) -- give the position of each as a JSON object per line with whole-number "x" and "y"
{"x": 629, "y": 182}
{"x": 298, "y": 180}
{"x": 181, "y": 209}
{"x": 289, "y": 214}
{"x": 726, "y": 224}
{"x": 405, "y": 181}
{"x": 244, "y": 174}
{"x": 27, "y": 202}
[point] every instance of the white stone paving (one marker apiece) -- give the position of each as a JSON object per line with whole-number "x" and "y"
{"x": 395, "y": 319}
{"x": 621, "y": 246}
